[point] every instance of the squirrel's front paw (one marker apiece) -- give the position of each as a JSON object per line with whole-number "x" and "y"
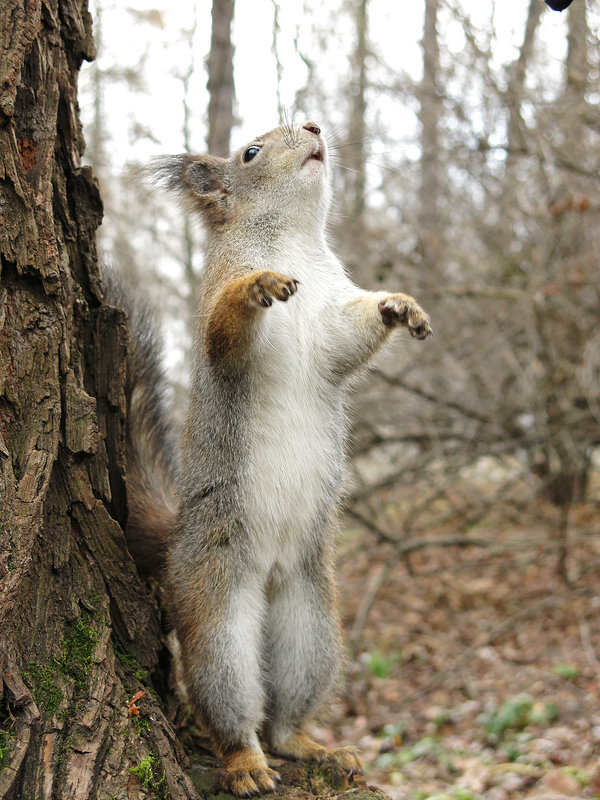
{"x": 402, "y": 309}
{"x": 269, "y": 286}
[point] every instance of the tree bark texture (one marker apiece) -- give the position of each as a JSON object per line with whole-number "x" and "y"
{"x": 220, "y": 79}
{"x": 79, "y": 633}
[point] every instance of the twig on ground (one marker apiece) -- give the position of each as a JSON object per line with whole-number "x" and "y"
{"x": 410, "y": 546}
{"x": 590, "y": 653}
{"x": 375, "y": 583}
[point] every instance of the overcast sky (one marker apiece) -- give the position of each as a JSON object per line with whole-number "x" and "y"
{"x": 395, "y": 31}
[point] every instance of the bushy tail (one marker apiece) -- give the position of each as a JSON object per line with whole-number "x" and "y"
{"x": 150, "y": 446}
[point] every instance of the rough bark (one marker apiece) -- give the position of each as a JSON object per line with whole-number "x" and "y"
{"x": 220, "y": 79}
{"x": 79, "y": 632}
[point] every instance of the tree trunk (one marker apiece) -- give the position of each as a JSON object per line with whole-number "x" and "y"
{"x": 429, "y": 116}
{"x": 220, "y": 79}
{"x": 354, "y": 154}
{"x": 517, "y": 75}
{"x": 353, "y": 229}
{"x": 79, "y": 632}
{"x": 577, "y": 65}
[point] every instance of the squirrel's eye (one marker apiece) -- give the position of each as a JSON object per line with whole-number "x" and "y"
{"x": 250, "y": 153}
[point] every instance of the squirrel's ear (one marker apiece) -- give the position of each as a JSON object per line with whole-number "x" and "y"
{"x": 199, "y": 178}
{"x": 205, "y": 176}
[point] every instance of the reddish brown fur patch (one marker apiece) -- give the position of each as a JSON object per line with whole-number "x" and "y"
{"x": 148, "y": 531}
{"x": 229, "y": 329}
{"x": 152, "y": 517}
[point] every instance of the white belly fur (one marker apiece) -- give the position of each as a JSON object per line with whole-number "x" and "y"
{"x": 293, "y": 446}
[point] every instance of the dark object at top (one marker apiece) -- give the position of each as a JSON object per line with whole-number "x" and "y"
{"x": 558, "y": 5}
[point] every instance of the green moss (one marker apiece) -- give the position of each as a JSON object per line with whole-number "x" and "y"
{"x": 78, "y": 645}
{"x": 76, "y": 658}
{"x": 140, "y": 724}
{"x": 151, "y": 775}
{"x": 61, "y": 755}
{"x": 6, "y": 740}
{"x": 125, "y": 657}
{"x": 46, "y": 691}
{"x": 144, "y": 771}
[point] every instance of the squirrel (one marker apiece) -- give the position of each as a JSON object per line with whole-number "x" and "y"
{"x": 248, "y": 531}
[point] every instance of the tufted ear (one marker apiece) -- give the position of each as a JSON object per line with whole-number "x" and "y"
{"x": 200, "y": 179}
{"x": 205, "y": 175}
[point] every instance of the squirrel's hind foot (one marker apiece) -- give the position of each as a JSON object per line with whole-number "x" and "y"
{"x": 348, "y": 759}
{"x": 302, "y": 747}
{"x": 246, "y": 773}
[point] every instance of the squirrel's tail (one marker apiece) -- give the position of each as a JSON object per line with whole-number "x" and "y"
{"x": 150, "y": 447}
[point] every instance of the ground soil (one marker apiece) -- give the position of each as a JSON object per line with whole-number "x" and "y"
{"x": 476, "y": 671}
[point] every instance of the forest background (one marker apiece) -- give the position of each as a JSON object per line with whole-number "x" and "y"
{"x": 465, "y": 141}
{"x": 466, "y": 147}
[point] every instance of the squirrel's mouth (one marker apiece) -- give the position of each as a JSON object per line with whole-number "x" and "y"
{"x": 317, "y": 155}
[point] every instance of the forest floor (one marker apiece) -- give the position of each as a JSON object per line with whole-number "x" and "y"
{"x": 475, "y": 672}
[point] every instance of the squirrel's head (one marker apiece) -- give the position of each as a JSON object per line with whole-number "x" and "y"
{"x": 281, "y": 175}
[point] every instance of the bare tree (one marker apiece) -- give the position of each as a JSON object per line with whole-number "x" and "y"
{"x": 430, "y": 101}
{"x": 514, "y": 378}
{"x": 516, "y": 133}
{"x": 221, "y": 88}
{"x": 355, "y": 150}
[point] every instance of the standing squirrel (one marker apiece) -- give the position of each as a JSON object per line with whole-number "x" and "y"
{"x": 280, "y": 332}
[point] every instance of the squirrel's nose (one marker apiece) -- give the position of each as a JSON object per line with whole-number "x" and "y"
{"x": 312, "y": 127}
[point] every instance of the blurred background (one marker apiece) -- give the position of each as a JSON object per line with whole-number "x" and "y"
{"x": 465, "y": 140}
